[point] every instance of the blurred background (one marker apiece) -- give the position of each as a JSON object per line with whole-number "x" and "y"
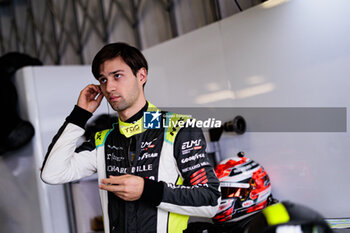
{"x": 72, "y": 31}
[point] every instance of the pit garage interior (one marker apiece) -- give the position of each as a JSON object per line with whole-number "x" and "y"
{"x": 283, "y": 65}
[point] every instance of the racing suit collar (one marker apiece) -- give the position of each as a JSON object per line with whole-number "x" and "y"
{"x": 134, "y": 125}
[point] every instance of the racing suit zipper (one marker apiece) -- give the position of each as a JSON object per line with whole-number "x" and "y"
{"x": 128, "y": 156}
{"x": 128, "y": 172}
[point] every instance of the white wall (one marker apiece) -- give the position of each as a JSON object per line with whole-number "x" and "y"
{"x": 56, "y": 91}
{"x": 46, "y": 96}
{"x": 292, "y": 54}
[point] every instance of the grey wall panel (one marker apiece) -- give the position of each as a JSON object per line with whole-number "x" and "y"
{"x": 278, "y": 54}
{"x": 19, "y": 204}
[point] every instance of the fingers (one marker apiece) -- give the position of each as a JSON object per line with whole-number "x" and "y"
{"x": 99, "y": 94}
{"x": 112, "y": 180}
{"x": 92, "y": 90}
{"x": 99, "y": 98}
{"x": 115, "y": 184}
{"x": 112, "y": 188}
{"x": 118, "y": 190}
{"x": 90, "y": 98}
{"x": 127, "y": 187}
{"x": 95, "y": 87}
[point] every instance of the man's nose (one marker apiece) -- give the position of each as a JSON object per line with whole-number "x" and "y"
{"x": 110, "y": 86}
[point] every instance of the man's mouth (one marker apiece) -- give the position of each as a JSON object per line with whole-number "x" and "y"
{"x": 114, "y": 98}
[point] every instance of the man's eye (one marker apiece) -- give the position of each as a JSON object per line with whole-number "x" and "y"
{"x": 102, "y": 80}
{"x": 117, "y": 76}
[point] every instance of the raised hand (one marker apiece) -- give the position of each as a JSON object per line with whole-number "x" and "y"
{"x": 90, "y": 98}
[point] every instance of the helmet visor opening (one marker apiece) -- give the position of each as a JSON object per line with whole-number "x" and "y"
{"x": 234, "y": 192}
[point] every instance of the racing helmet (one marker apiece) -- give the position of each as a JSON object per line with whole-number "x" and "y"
{"x": 245, "y": 188}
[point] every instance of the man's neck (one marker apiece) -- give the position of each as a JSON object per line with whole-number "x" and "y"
{"x": 138, "y": 115}
{"x": 130, "y": 115}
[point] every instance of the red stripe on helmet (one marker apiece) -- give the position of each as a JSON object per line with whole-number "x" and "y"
{"x": 221, "y": 171}
{"x": 259, "y": 206}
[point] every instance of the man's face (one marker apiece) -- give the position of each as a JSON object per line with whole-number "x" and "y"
{"x": 119, "y": 85}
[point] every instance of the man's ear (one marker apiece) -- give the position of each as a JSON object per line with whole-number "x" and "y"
{"x": 142, "y": 75}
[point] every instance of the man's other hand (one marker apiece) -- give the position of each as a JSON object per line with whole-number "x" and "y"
{"x": 127, "y": 187}
{"x": 90, "y": 98}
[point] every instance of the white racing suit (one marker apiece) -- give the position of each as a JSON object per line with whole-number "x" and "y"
{"x": 179, "y": 181}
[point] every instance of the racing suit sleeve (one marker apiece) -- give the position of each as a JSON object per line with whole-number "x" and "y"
{"x": 199, "y": 194}
{"x": 64, "y": 162}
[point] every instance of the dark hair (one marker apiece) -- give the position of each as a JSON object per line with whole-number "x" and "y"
{"x": 131, "y": 56}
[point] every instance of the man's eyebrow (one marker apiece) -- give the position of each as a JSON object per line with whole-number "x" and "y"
{"x": 116, "y": 71}
{"x": 113, "y": 72}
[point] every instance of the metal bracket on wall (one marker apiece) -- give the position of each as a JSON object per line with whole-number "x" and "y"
{"x": 237, "y": 125}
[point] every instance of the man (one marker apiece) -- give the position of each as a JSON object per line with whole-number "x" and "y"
{"x": 151, "y": 180}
